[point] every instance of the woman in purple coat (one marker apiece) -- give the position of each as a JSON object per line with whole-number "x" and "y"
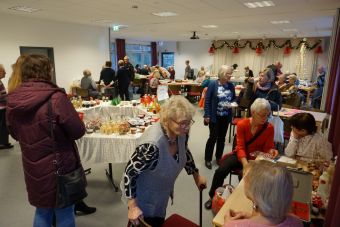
{"x": 27, "y": 120}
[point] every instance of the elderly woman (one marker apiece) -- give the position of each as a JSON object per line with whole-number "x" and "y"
{"x": 291, "y": 87}
{"x": 270, "y": 188}
{"x": 150, "y": 174}
{"x": 253, "y": 135}
{"x": 217, "y": 112}
{"x": 201, "y": 75}
{"x": 267, "y": 89}
{"x": 305, "y": 143}
{"x": 88, "y": 83}
{"x": 27, "y": 120}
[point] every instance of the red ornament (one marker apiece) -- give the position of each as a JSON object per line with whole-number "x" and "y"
{"x": 287, "y": 51}
{"x": 236, "y": 50}
{"x": 258, "y": 50}
{"x": 211, "y": 50}
{"x": 319, "y": 50}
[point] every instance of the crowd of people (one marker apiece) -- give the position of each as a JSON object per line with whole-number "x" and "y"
{"x": 37, "y": 105}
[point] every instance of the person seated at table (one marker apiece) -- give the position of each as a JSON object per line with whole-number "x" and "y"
{"x": 305, "y": 143}
{"x": 248, "y": 72}
{"x": 201, "y": 75}
{"x": 270, "y": 188}
{"x": 88, "y": 83}
{"x": 206, "y": 81}
{"x": 150, "y": 175}
{"x": 253, "y": 135}
{"x": 172, "y": 72}
{"x": 267, "y": 89}
{"x": 291, "y": 87}
{"x": 281, "y": 82}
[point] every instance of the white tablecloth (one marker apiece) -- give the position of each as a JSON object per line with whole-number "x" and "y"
{"x": 97, "y": 147}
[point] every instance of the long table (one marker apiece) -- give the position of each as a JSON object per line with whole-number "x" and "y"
{"x": 114, "y": 148}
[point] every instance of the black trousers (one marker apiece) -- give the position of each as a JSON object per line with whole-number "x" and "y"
{"x": 154, "y": 221}
{"x": 229, "y": 164}
{"x": 217, "y": 134}
{"x": 3, "y": 128}
{"x": 124, "y": 93}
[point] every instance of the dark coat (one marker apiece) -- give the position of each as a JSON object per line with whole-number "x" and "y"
{"x": 27, "y": 120}
{"x": 273, "y": 95}
{"x": 123, "y": 77}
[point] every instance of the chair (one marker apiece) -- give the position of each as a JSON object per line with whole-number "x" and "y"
{"x": 238, "y": 117}
{"x": 294, "y": 100}
{"x": 195, "y": 91}
{"x": 174, "y": 90}
{"x": 84, "y": 93}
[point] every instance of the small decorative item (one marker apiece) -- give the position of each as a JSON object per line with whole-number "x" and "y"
{"x": 287, "y": 51}
{"x": 319, "y": 50}
{"x": 258, "y": 50}
{"x": 211, "y": 50}
{"x": 236, "y": 50}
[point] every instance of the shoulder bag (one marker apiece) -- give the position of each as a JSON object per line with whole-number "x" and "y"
{"x": 70, "y": 186}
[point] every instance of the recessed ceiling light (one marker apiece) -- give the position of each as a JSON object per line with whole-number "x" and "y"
{"x": 280, "y": 21}
{"x": 24, "y": 9}
{"x": 165, "y": 14}
{"x": 289, "y": 30}
{"x": 261, "y": 4}
{"x": 209, "y": 26}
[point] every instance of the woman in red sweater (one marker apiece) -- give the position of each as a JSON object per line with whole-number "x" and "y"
{"x": 253, "y": 135}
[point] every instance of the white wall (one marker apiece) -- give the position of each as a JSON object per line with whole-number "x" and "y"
{"x": 76, "y": 47}
{"x": 196, "y": 51}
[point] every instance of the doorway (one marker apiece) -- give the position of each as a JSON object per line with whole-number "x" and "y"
{"x": 45, "y": 51}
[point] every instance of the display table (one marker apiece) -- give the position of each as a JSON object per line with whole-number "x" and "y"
{"x": 114, "y": 148}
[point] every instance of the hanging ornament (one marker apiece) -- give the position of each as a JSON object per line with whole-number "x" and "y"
{"x": 236, "y": 50}
{"x": 319, "y": 50}
{"x": 287, "y": 51}
{"x": 211, "y": 50}
{"x": 258, "y": 50}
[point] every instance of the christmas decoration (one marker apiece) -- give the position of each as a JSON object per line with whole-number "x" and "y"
{"x": 211, "y": 50}
{"x": 319, "y": 50}
{"x": 236, "y": 50}
{"x": 271, "y": 43}
{"x": 287, "y": 50}
{"x": 258, "y": 51}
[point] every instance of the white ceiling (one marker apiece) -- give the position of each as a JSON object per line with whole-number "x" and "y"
{"x": 312, "y": 18}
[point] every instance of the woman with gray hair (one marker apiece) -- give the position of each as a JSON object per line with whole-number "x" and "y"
{"x": 151, "y": 173}
{"x": 253, "y": 135}
{"x": 88, "y": 83}
{"x": 217, "y": 112}
{"x": 270, "y": 188}
{"x": 267, "y": 89}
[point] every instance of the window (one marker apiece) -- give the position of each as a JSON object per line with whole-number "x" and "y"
{"x": 113, "y": 54}
{"x": 168, "y": 59}
{"x": 138, "y": 54}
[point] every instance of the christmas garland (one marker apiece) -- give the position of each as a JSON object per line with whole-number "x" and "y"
{"x": 271, "y": 43}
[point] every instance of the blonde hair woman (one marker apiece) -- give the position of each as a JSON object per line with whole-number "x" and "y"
{"x": 15, "y": 79}
{"x": 270, "y": 188}
{"x": 151, "y": 173}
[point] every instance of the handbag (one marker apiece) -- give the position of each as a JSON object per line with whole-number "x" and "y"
{"x": 70, "y": 186}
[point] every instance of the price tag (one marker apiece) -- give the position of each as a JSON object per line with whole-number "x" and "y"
{"x": 162, "y": 92}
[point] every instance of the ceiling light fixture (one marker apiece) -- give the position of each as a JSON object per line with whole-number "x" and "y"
{"x": 25, "y": 9}
{"x": 289, "y": 30}
{"x": 280, "y": 21}
{"x": 209, "y": 26}
{"x": 253, "y": 5}
{"x": 165, "y": 14}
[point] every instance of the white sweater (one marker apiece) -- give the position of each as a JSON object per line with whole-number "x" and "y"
{"x": 310, "y": 147}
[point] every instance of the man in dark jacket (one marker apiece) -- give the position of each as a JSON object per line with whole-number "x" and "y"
{"x": 107, "y": 75}
{"x": 124, "y": 80}
{"x": 131, "y": 72}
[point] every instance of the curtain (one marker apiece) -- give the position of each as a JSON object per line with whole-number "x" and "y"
{"x": 120, "y": 44}
{"x": 154, "y": 53}
{"x": 248, "y": 57}
{"x": 332, "y": 106}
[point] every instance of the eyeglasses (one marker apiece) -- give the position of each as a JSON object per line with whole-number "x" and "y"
{"x": 184, "y": 124}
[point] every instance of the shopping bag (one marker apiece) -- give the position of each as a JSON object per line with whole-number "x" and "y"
{"x": 278, "y": 127}
{"x": 221, "y": 195}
